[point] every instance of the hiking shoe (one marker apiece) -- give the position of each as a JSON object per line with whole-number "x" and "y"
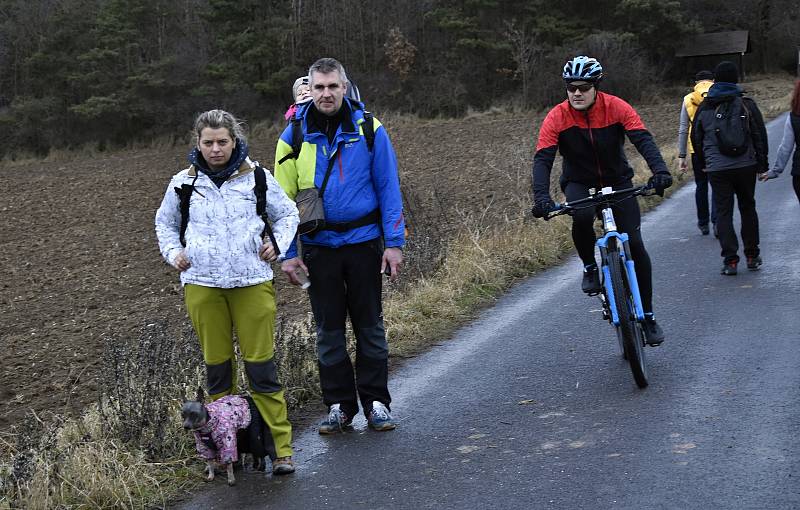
{"x": 591, "y": 280}
{"x": 282, "y": 466}
{"x": 754, "y": 263}
{"x": 337, "y": 421}
{"x": 379, "y": 418}
{"x": 704, "y": 229}
{"x": 729, "y": 269}
{"x": 653, "y": 334}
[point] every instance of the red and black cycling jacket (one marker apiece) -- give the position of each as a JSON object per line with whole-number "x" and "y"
{"x": 591, "y": 143}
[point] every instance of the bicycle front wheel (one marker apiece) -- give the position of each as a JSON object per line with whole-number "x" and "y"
{"x": 628, "y": 329}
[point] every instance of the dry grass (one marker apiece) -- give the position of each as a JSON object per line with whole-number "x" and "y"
{"x": 129, "y": 451}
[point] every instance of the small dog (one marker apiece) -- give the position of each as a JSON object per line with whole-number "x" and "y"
{"x": 215, "y": 427}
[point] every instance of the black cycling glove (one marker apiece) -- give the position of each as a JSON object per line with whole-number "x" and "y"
{"x": 543, "y": 206}
{"x": 660, "y": 182}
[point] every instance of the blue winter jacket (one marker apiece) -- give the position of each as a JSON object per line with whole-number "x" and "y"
{"x": 361, "y": 181}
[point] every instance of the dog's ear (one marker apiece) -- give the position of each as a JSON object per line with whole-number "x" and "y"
{"x": 201, "y": 395}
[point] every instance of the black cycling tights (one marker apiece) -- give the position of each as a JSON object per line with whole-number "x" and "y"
{"x": 628, "y": 218}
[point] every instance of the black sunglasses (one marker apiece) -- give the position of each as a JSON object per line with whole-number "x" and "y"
{"x": 586, "y": 87}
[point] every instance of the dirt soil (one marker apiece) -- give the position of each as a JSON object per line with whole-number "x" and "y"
{"x": 79, "y": 261}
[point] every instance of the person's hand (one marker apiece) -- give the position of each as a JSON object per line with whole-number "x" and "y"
{"x": 181, "y": 261}
{"x": 267, "y": 252}
{"x": 765, "y": 176}
{"x": 289, "y": 266}
{"x": 393, "y": 259}
{"x": 660, "y": 182}
{"x": 683, "y": 166}
{"x": 542, "y": 206}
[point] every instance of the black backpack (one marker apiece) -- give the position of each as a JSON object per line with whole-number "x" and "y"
{"x": 732, "y": 127}
{"x": 297, "y": 132}
{"x": 185, "y": 194}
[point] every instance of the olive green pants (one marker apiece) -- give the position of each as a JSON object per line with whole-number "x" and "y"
{"x": 251, "y": 310}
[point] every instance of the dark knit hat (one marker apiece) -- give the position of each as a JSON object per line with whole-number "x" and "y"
{"x": 705, "y": 74}
{"x": 726, "y": 71}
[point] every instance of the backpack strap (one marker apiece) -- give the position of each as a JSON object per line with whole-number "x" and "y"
{"x": 370, "y": 218}
{"x": 368, "y": 126}
{"x": 185, "y": 196}
{"x": 297, "y": 139}
{"x": 261, "y": 205}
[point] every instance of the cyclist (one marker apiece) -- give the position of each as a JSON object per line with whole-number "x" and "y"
{"x": 589, "y": 130}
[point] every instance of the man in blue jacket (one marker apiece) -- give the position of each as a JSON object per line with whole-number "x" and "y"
{"x": 347, "y": 155}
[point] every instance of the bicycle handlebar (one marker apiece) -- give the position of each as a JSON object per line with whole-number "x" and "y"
{"x": 598, "y": 197}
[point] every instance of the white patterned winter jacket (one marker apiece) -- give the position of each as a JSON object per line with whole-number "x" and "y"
{"x": 223, "y": 234}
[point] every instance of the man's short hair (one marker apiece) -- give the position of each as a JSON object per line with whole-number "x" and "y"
{"x": 327, "y": 65}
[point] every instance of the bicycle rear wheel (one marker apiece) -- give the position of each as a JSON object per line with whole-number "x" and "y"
{"x": 628, "y": 329}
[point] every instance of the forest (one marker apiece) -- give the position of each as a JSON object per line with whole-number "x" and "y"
{"x": 117, "y": 72}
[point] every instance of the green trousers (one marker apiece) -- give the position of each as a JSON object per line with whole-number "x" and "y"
{"x": 251, "y": 310}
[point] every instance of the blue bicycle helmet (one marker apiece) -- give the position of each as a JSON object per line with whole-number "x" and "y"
{"x": 582, "y": 68}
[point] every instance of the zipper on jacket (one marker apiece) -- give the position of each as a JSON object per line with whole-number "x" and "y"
{"x": 594, "y": 148}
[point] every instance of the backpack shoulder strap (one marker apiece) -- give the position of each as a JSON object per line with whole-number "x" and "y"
{"x": 260, "y": 190}
{"x": 297, "y": 139}
{"x": 369, "y": 129}
{"x": 184, "y": 196}
{"x": 368, "y": 125}
{"x": 261, "y": 205}
{"x": 746, "y": 109}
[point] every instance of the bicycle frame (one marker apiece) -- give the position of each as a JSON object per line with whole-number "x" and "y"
{"x": 610, "y": 230}
{"x": 620, "y": 285}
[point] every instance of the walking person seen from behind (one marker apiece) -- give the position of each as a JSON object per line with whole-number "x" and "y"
{"x": 589, "y": 130}
{"x": 790, "y": 141}
{"x": 730, "y": 140}
{"x": 223, "y": 258}
{"x": 346, "y": 157}
{"x": 703, "y": 81}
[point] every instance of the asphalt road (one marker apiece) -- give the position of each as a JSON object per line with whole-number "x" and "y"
{"x": 532, "y": 406}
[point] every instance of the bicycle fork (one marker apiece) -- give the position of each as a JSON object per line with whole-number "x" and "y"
{"x": 607, "y": 297}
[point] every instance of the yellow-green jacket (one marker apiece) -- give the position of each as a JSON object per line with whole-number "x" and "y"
{"x": 688, "y": 108}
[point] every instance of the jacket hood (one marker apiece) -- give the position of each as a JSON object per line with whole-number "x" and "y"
{"x": 723, "y": 91}
{"x": 700, "y": 91}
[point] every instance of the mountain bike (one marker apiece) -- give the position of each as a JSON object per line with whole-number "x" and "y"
{"x": 622, "y": 303}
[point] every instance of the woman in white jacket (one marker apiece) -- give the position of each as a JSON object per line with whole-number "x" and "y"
{"x": 789, "y": 144}
{"x": 219, "y": 248}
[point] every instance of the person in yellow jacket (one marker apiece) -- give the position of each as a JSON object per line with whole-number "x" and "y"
{"x": 703, "y": 81}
